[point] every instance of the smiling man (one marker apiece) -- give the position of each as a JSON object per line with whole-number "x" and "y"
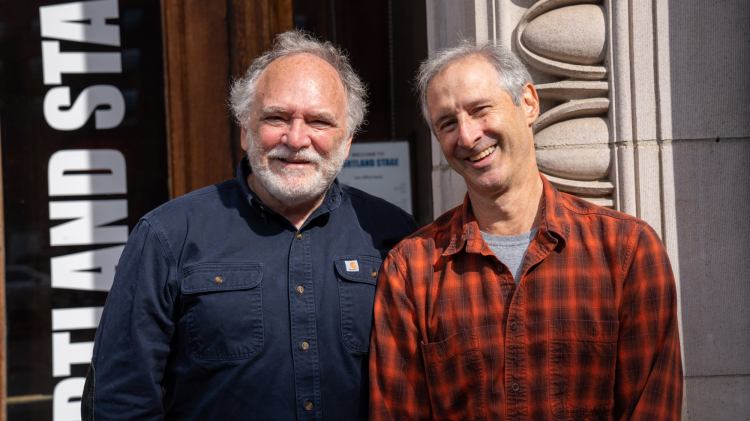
{"x": 252, "y": 298}
{"x": 523, "y": 303}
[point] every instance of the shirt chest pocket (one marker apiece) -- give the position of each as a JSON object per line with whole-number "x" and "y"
{"x": 457, "y": 376}
{"x": 357, "y": 276}
{"x": 223, "y": 310}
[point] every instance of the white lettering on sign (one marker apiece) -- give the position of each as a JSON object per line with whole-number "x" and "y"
{"x": 56, "y": 62}
{"x": 66, "y": 353}
{"x": 62, "y": 116}
{"x": 84, "y": 22}
{"x": 67, "y": 394}
{"x": 81, "y": 21}
{"x": 88, "y": 218}
{"x": 78, "y": 178}
{"x": 66, "y": 400}
{"x": 76, "y": 318}
{"x": 86, "y": 172}
{"x": 92, "y": 270}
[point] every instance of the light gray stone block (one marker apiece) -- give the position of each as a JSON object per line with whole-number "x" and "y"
{"x": 718, "y": 398}
{"x": 713, "y": 230}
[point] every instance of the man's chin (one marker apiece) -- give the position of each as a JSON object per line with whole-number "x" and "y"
{"x": 286, "y": 167}
{"x": 293, "y": 197}
{"x": 293, "y": 191}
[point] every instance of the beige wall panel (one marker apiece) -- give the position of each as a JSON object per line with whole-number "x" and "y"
{"x": 709, "y": 58}
{"x": 718, "y": 398}
{"x": 713, "y": 228}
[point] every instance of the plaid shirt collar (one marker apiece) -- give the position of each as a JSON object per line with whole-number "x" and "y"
{"x": 553, "y": 228}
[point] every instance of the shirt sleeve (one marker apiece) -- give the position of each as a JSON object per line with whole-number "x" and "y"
{"x": 649, "y": 367}
{"x": 133, "y": 337}
{"x": 398, "y": 388}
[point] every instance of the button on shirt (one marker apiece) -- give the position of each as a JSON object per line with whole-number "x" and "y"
{"x": 590, "y": 331}
{"x": 221, "y": 309}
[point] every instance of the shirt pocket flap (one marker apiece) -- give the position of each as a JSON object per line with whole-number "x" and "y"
{"x": 220, "y": 278}
{"x": 460, "y": 343}
{"x": 362, "y": 269}
{"x": 585, "y": 330}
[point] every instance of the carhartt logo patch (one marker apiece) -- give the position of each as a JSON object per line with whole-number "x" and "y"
{"x": 351, "y": 265}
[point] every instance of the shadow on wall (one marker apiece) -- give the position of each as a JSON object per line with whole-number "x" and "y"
{"x": 709, "y": 47}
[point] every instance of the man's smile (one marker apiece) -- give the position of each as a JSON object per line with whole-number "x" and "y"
{"x": 293, "y": 161}
{"x": 482, "y": 154}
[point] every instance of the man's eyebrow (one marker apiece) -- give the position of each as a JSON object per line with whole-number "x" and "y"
{"x": 322, "y": 115}
{"x": 478, "y": 102}
{"x": 272, "y": 110}
{"x": 442, "y": 118}
{"x": 469, "y": 106}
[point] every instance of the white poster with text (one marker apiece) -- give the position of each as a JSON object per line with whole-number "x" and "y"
{"x": 381, "y": 169}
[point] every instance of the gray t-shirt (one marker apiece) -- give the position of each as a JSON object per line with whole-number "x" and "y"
{"x": 510, "y": 250}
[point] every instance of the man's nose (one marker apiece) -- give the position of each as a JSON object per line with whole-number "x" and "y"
{"x": 469, "y": 132}
{"x": 297, "y": 137}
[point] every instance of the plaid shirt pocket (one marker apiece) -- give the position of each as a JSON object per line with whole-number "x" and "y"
{"x": 583, "y": 354}
{"x": 456, "y": 377}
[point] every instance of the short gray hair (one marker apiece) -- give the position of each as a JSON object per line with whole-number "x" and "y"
{"x": 511, "y": 71}
{"x": 298, "y": 42}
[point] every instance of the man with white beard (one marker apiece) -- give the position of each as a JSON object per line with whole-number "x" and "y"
{"x": 252, "y": 298}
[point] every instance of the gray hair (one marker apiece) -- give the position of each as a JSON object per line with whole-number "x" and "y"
{"x": 511, "y": 71}
{"x": 298, "y": 42}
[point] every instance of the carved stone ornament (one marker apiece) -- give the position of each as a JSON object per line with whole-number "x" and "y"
{"x": 564, "y": 38}
{"x": 568, "y": 39}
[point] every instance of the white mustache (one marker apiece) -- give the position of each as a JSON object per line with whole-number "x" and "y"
{"x": 306, "y": 154}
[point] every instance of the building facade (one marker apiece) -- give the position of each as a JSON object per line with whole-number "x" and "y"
{"x": 644, "y": 109}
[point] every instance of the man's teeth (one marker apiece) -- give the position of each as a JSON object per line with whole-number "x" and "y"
{"x": 482, "y": 154}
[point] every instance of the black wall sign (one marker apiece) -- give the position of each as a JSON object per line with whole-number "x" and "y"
{"x": 82, "y": 123}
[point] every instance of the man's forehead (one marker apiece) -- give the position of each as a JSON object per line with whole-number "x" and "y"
{"x": 300, "y": 82}
{"x": 465, "y": 70}
{"x": 300, "y": 66}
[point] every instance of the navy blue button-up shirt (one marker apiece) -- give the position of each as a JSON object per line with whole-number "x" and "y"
{"x": 222, "y": 309}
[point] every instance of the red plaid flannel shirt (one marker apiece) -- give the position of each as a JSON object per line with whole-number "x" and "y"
{"x": 590, "y": 333}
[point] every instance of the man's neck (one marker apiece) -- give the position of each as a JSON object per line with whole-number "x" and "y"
{"x": 296, "y": 214}
{"x": 511, "y": 212}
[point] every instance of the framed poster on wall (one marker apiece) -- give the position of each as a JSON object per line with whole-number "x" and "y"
{"x": 381, "y": 169}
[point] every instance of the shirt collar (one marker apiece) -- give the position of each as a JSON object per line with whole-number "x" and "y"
{"x": 334, "y": 194}
{"x": 465, "y": 233}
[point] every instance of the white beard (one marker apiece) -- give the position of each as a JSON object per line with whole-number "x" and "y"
{"x": 295, "y": 186}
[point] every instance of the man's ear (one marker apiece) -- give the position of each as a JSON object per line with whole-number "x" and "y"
{"x": 530, "y": 103}
{"x": 243, "y": 139}
{"x": 349, "y": 145}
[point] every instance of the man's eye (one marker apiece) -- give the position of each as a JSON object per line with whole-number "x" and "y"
{"x": 447, "y": 126}
{"x": 274, "y": 119}
{"x": 481, "y": 110}
{"x": 320, "y": 124}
